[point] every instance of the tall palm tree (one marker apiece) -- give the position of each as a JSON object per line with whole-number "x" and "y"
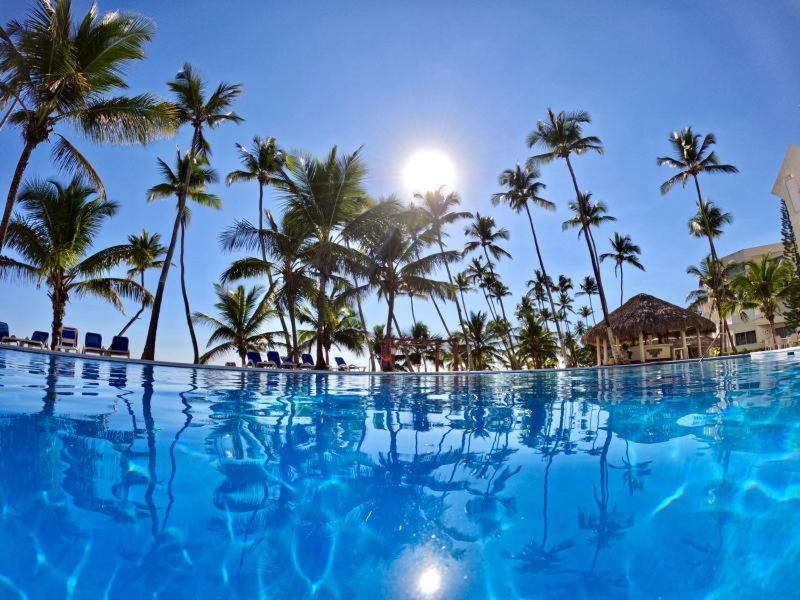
{"x": 706, "y": 292}
{"x": 53, "y": 238}
{"x": 326, "y": 195}
{"x": 692, "y": 156}
{"x": 477, "y": 273}
{"x": 483, "y": 341}
{"x": 562, "y": 137}
{"x": 536, "y": 343}
{"x": 200, "y": 111}
{"x": 588, "y": 288}
{"x": 55, "y": 71}
{"x": 584, "y": 312}
{"x": 523, "y": 188}
{"x": 341, "y": 327}
{"x": 623, "y": 252}
{"x": 595, "y": 213}
{"x": 764, "y": 284}
{"x": 439, "y": 207}
{"x": 146, "y": 253}
{"x": 198, "y": 175}
{"x": 284, "y": 245}
{"x": 262, "y": 163}
{"x": 485, "y": 235}
{"x": 239, "y": 326}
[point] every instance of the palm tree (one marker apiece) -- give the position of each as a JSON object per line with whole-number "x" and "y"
{"x": 325, "y": 195}
{"x": 284, "y": 245}
{"x": 535, "y": 342}
{"x": 588, "y": 288}
{"x": 596, "y": 214}
{"x": 477, "y": 273}
{"x": 438, "y": 209}
{"x": 145, "y": 254}
{"x": 584, "y": 312}
{"x": 624, "y": 251}
{"x": 483, "y": 341}
{"x": 486, "y": 236}
{"x": 562, "y": 136}
{"x": 261, "y": 163}
{"x": 196, "y": 175}
{"x": 199, "y": 111}
{"x": 692, "y": 155}
{"x": 53, "y": 238}
{"x": 240, "y": 324}
{"x": 523, "y": 188}
{"x": 763, "y": 285}
{"x": 705, "y": 294}
{"x": 341, "y": 328}
{"x": 57, "y": 71}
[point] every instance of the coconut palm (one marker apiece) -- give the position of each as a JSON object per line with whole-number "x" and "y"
{"x": 325, "y": 195}
{"x": 55, "y": 72}
{"x": 763, "y": 285}
{"x": 596, "y": 214}
{"x": 146, "y": 252}
{"x": 705, "y": 293}
{"x": 588, "y": 288}
{"x": 477, "y": 273}
{"x": 483, "y": 341}
{"x": 485, "y": 235}
{"x": 523, "y": 188}
{"x": 439, "y": 210}
{"x": 463, "y": 285}
{"x": 562, "y": 137}
{"x": 200, "y": 111}
{"x": 262, "y": 163}
{"x": 624, "y": 252}
{"x": 341, "y": 327}
{"x": 239, "y": 326}
{"x": 535, "y": 343}
{"x": 53, "y": 237}
{"x": 692, "y": 156}
{"x": 584, "y": 312}
{"x": 285, "y": 246}
{"x": 709, "y": 220}
{"x": 198, "y": 175}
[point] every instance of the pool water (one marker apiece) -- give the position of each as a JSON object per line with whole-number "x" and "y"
{"x": 126, "y": 481}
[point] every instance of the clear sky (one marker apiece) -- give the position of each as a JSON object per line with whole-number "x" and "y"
{"x": 469, "y": 79}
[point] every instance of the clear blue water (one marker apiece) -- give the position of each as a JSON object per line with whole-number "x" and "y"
{"x": 123, "y": 481}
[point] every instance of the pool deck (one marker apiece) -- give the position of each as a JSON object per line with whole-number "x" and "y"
{"x": 158, "y": 363}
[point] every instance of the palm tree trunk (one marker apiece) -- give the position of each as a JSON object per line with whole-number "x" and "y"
{"x": 458, "y": 306}
{"x": 8, "y": 113}
{"x": 149, "y": 351}
{"x": 591, "y": 307}
{"x": 544, "y": 275}
{"x": 621, "y": 276}
{"x": 263, "y": 246}
{"x": 195, "y": 351}
{"x": 321, "y": 363}
{"x": 137, "y": 315}
{"x": 413, "y": 316}
{"x": 16, "y": 180}
{"x": 58, "y": 300}
{"x": 366, "y": 333}
{"x": 441, "y": 317}
{"x": 390, "y": 314}
{"x": 511, "y": 357}
{"x": 771, "y": 321}
{"x": 293, "y": 323}
{"x": 717, "y": 280}
{"x": 595, "y": 265}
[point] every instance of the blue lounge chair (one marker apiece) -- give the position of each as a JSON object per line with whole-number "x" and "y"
{"x": 306, "y": 362}
{"x": 283, "y": 362}
{"x": 69, "y": 340}
{"x": 5, "y": 334}
{"x": 37, "y": 340}
{"x": 93, "y": 343}
{"x": 119, "y": 347}
{"x": 254, "y": 360}
{"x": 343, "y": 366}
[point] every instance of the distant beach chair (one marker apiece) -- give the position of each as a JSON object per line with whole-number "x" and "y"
{"x": 343, "y": 366}
{"x": 5, "y": 334}
{"x": 119, "y": 347}
{"x": 37, "y": 340}
{"x": 254, "y": 360}
{"x": 306, "y": 362}
{"x": 280, "y": 361}
{"x": 69, "y": 340}
{"x": 93, "y": 343}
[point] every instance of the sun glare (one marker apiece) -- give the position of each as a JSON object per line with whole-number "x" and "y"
{"x": 428, "y": 170}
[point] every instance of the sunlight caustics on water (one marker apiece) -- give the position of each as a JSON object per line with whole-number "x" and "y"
{"x": 127, "y": 481}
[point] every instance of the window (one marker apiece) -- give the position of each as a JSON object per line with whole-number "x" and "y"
{"x": 783, "y": 332}
{"x": 746, "y": 337}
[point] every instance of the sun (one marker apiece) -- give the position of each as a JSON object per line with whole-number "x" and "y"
{"x": 428, "y": 170}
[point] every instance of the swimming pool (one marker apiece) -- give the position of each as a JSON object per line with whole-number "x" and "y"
{"x": 121, "y": 481}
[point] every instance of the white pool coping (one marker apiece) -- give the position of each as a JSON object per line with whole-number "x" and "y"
{"x": 180, "y": 365}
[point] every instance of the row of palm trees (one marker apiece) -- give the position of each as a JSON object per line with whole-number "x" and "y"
{"x": 325, "y": 246}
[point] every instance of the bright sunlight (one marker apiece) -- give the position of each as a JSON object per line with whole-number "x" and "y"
{"x": 428, "y": 170}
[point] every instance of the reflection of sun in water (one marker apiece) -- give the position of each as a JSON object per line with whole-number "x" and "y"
{"x": 429, "y": 581}
{"x": 428, "y": 170}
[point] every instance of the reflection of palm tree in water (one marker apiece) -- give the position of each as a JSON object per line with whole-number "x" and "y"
{"x": 150, "y": 432}
{"x": 187, "y": 411}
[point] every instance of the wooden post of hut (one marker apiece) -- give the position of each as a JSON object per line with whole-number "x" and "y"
{"x": 683, "y": 344}
{"x": 597, "y": 352}
{"x": 699, "y": 344}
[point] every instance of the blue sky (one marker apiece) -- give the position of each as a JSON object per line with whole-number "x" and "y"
{"x": 469, "y": 79}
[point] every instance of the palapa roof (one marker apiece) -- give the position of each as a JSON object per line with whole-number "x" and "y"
{"x": 652, "y": 316}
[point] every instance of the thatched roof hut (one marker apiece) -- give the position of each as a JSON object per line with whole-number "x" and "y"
{"x": 652, "y": 316}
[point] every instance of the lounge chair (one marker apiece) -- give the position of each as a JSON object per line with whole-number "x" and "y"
{"x": 341, "y": 365}
{"x": 254, "y": 360}
{"x": 119, "y": 347}
{"x": 93, "y": 343}
{"x": 306, "y": 362}
{"x": 282, "y": 361}
{"x": 5, "y": 334}
{"x": 69, "y": 340}
{"x": 37, "y": 340}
